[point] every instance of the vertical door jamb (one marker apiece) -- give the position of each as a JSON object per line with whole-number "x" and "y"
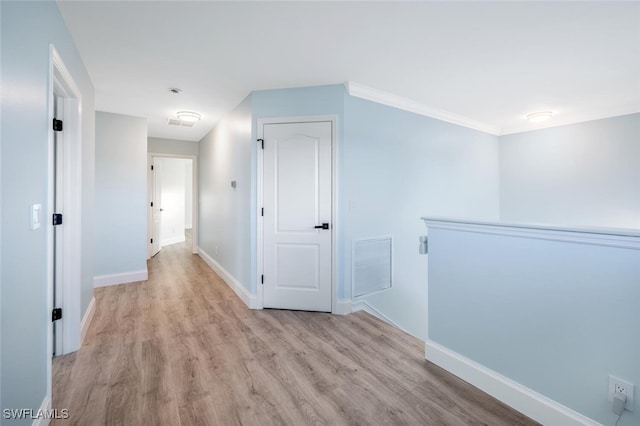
{"x": 62, "y": 84}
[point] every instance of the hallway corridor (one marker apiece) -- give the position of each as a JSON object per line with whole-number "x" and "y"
{"x": 182, "y": 349}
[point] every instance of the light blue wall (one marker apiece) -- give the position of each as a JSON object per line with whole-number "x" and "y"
{"x": 580, "y": 174}
{"x": 557, "y": 317}
{"x": 225, "y": 213}
{"x": 121, "y": 194}
{"x": 229, "y": 152}
{"x": 27, "y": 30}
{"x": 172, "y": 146}
{"x": 399, "y": 166}
{"x": 393, "y": 167}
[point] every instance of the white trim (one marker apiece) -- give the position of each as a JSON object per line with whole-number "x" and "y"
{"x": 195, "y": 225}
{"x": 399, "y": 102}
{"x": 361, "y": 305}
{"x": 555, "y": 123}
{"x": 61, "y": 83}
{"x": 174, "y": 240}
{"x": 343, "y": 307}
{"x": 389, "y": 99}
{"x": 45, "y": 408}
{"x": 87, "y": 318}
{"x": 620, "y": 238}
{"x": 121, "y": 278}
{"x": 249, "y": 299}
{"x": 335, "y": 225}
{"x": 148, "y": 206}
{"x": 259, "y": 217}
{"x": 530, "y": 403}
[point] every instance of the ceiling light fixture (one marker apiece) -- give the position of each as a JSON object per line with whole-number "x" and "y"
{"x": 175, "y": 90}
{"x": 188, "y": 116}
{"x": 537, "y": 117}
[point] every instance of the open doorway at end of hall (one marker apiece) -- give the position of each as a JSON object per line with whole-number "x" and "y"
{"x": 172, "y": 201}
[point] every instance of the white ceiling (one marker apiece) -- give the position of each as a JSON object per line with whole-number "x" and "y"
{"x": 487, "y": 62}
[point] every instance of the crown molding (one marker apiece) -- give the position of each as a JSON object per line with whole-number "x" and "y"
{"x": 385, "y": 98}
{"x": 553, "y": 123}
{"x": 389, "y": 99}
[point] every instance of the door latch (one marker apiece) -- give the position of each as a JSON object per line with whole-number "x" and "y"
{"x": 56, "y": 314}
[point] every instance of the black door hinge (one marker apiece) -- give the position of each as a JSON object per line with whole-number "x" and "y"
{"x": 152, "y": 167}
{"x": 56, "y": 314}
{"x": 152, "y": 204}
{"x": 262, "y": 142}
{"x": 263, "y": 211}
{"x": 152, "y": 241}
{"x": 57, "y": 125}
{"x": 261, "y": 279}
{"x": 57, "y": 219}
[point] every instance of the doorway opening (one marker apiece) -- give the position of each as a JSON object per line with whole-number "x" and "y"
{"x": 172, "y": 201}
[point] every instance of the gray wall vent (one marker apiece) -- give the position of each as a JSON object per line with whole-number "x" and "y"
{"x": 372, "y": 270}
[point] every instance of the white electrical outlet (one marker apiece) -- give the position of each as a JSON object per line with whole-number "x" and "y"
{"x": 617, "y": 385}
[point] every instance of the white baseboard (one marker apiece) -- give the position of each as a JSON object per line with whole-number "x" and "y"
{"x": 123, "y": 278}
{"x": 528, "y": 402}
{"x": 361, "y": 305}
{"x": 86, "y": 319}
{"x": 343, "y": 307}
{"x": 45, "y": 407}
{"x": 251, "y": 300}
{"x": 172, "y": 240}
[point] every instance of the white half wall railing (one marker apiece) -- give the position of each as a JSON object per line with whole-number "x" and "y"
{"x": 537, "y": 316}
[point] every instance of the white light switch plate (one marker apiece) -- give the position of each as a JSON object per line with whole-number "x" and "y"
{"x": 35, "y": 216}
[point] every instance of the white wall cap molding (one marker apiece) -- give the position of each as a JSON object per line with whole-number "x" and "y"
{"x": 608, "y": 237}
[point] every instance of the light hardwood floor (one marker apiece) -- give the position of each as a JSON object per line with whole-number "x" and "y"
{"x": 182, "y": 349}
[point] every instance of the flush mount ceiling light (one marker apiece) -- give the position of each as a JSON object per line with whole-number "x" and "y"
{"x": 188, "y": 116}
{"x": 537, "y": 117}
{"x": 175, "y": 90}
{"x": 184, "y": 118}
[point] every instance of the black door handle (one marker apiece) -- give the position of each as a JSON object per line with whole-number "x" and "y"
{"x": 323, "y": 226}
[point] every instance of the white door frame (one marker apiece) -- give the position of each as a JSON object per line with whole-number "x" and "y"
{"x": 194, "y": 198}
{"x": 334, "y": 201}
{"x": 62, "y": 84}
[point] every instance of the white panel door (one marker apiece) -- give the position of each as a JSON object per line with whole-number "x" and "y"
{"x": 297, "y": 202}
